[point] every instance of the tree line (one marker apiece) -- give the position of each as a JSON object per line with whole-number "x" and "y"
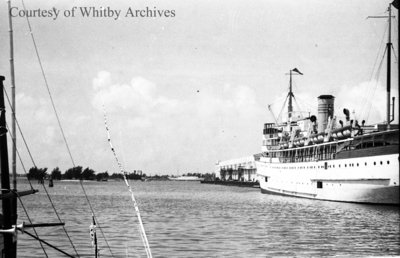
{"x": 79, "y": 173}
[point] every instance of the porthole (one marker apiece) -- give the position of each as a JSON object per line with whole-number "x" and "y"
{"x": 357, "y": 164}
{"x": 374, "y": 163}
{"x": 388, "y": 162}
{"x": 381, "y": 163}
{"x": 365, "y": 163}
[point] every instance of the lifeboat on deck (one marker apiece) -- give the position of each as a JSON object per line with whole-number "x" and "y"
{"x": 342, "y": 133}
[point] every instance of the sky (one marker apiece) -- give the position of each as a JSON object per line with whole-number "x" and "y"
{"x": 185, "y": 91}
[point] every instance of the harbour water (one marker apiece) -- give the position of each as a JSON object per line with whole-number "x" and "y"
{"x": 189, "y": 219}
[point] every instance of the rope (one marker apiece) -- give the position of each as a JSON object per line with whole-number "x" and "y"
{"x": 298, "y": 107}
{"x": 46, "y": 83}
{"x": 97, "y": 222}
{"x": 379, "y": 50}
{"x": 283, "y": 106}
{"x": 34, "y": 164}
{"x": 376, "y": 84}
{"x": 124, "y": 173}
{"x": 52, "y": 246}
{"x": 308, "y": 105}
{"x": 23, "y": 138}
{"x": 30, "y": 221}
{"x": 58, "y": 119}
{"x": 394, "y": 53}
{"x": 368, "y": 94}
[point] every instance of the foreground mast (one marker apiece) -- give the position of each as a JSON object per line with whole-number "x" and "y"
{"x": 9, "y": 202}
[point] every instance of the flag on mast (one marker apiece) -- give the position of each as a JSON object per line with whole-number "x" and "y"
{"x": 297, "y": 71}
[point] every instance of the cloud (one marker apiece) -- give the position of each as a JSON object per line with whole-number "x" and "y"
{"x": 188, "y": 130}
{"x": 102, "y": 80}
{"x": 139, "y": 96}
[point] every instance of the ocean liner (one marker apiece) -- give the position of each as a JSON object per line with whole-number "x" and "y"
{"x": 322, "y": 157}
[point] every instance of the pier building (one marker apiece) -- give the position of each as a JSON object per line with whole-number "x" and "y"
{"x": 240, "y": 169}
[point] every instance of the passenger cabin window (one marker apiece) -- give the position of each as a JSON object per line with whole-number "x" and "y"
{"x": 319, "y": 184}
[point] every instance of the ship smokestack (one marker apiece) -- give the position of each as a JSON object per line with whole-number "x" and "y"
{"x": 325, "y": 110}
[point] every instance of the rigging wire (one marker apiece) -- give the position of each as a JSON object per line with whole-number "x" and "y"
{"x": 124, "y": 173}
{"x": 366, "y": 108}
{"x": 34, "y": 164}
{"x": 376, "y": 84}
{"x": 394, "y": 53}
{"x": 298, "y": 107}
{"x": 46, "y": 83}
{"x": 26, "y": 213}
{"x": 58, "y": 119}
{"x": 281, "y": 112}
{"x": 97, "y": 222}
{"x": 30, "y": 221}
{"x": 23, "y": 138}
{"x": 307, "y": 104}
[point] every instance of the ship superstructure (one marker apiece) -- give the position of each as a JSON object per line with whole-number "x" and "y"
{"x": 321, "y": 159}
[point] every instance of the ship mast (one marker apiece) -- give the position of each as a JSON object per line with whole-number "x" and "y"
{"x": 9, "y": 215}
{"x": 290, "y": 95}
{"x": 10, "y": 211}
{"x": 389, "y": 48}
{"x": 389, "y": 116}
{"x": 13, "y": 128}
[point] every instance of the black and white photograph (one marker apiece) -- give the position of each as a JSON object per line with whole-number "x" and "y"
{"x": 198, "y": 128}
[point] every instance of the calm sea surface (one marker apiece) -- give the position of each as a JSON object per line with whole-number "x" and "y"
{"x": 189, "y": 219}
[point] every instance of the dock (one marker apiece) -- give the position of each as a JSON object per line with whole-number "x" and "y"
{"x": 233, "y": 183}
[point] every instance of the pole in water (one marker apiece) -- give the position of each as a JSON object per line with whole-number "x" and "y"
{"x": 51, "y": 181}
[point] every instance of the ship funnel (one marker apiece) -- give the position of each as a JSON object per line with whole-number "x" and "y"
{"x": 325, "y": 111}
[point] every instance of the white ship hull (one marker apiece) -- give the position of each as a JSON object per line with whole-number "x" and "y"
{"x": 373, "y": 179}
